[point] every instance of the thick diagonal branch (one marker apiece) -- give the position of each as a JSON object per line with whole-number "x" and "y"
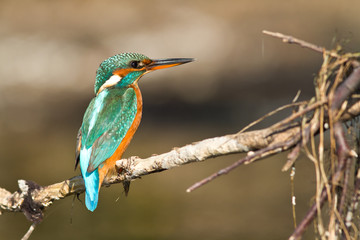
{"x": 198, "y": 151}
{"x": 135, "y": 167}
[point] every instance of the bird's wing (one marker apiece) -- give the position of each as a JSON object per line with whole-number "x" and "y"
{"x": 106, "y": 122}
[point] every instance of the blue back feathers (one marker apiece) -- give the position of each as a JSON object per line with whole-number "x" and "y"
{"x": 106, "y": 122}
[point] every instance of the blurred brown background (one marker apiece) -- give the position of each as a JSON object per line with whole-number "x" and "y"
{"x": 49, "y": 52}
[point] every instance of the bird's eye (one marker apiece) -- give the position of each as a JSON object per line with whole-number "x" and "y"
{"x": 135, "y": 64}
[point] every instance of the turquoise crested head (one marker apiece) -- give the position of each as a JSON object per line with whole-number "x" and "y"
{"x": 125, "y": 69}
{"x": 116, "y": 63}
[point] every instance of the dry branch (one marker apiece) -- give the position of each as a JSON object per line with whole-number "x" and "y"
{"x": 135, "y": 167}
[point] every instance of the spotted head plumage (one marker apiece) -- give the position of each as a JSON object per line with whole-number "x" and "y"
{"x": 124, "y": 63}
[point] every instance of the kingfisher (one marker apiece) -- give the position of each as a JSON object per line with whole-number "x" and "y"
{"x": 112, "y": 117}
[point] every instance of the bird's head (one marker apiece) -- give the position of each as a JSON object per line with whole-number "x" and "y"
{"x": 125, "y": 69}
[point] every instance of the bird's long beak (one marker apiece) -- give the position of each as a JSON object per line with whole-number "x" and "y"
{"x": 166, "y": 63}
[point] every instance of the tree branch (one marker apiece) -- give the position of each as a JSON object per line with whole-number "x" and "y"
{"x": 293, "y": 40}
{"x": 135, "y": 167}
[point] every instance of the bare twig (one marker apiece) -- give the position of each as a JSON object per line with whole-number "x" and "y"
{"x": 292, "y": 156}
{"x": 293, "y": 197}
{"x": 252, "y": 156}
{"x": 354, "y": 202}
{"x": 302, "y": 43}
{"x": 29, "y": 232}
{"x": 272, "y": 113}
{"x": 280, "y": 146}
{"x": 299, "y": 231}
{"x": 335, "y": 180}
{"x": 346, "y": 89}
{"x": 345, "y": 187}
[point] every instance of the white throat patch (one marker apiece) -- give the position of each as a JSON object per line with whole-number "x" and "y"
{"x": 113, "y": 80}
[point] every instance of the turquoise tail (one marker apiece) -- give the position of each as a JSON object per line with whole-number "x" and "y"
{"x": 91, "y": 180}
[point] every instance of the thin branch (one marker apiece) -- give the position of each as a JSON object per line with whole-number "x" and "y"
{"x": 343, "y": 154}
{"x": 292, "y": 156}
{"x": 354, "y": 202}
{"x": 293, "y": 197}
{"x": 29, "y": 232}
{"x": 300, "y": 229}
{"x": 346, "y": 89}
{"x": 252, "y": 156}
{"x": 293, "y": 104}
{"x": 302, "y": 43}
{"x": 345, "y": 187}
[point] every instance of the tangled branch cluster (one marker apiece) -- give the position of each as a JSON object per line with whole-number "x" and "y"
{"x": 336, "y": 86}
{"x": 335, "y": 103}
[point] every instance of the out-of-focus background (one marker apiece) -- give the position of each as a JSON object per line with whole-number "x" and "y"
{"x": 49, "y": 52}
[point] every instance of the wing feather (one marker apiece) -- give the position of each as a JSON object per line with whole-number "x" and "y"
{"x": 106, "y": 122}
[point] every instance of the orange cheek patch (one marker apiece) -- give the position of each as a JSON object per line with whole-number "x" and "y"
{"x": 147, "y": 61}
{"x": 123, "y": 72}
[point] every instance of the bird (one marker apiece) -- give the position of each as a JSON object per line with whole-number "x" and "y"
{"x": 112, "y": 117}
